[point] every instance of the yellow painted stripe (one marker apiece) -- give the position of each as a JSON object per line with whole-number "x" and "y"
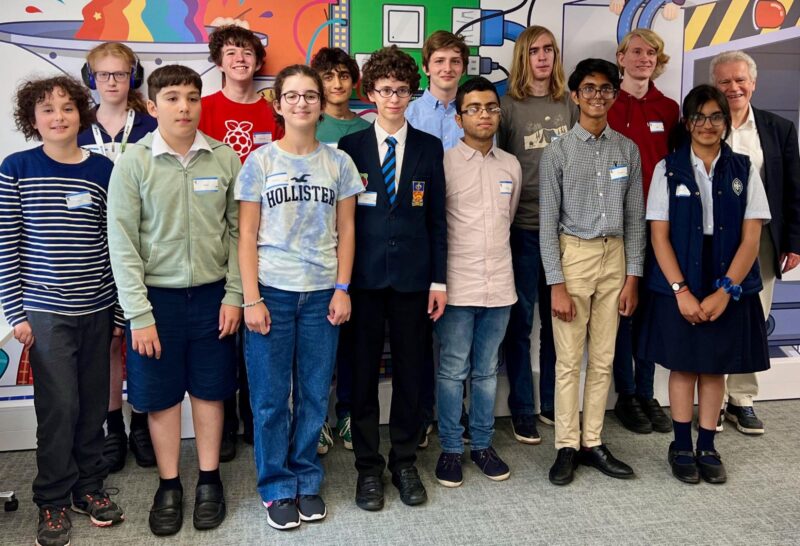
{"x": 732, "y": 17}
{"x": 695, "y": 25}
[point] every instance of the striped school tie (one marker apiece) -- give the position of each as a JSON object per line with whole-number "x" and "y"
{"x": 388, "y": 169}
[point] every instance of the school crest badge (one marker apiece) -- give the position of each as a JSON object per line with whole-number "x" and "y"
{"x": 737, "y": 186}
{"x": 417, "y": 193}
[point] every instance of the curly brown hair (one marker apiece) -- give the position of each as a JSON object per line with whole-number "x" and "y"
{"x": 390, "y": 62}
{"x": 236, "y": 36}
{"x": 32, "y": 92}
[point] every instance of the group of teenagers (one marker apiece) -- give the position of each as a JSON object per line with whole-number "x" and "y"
{"x": 228, "y": 242}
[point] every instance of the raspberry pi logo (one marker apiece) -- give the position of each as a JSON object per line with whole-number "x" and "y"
{"x": 238, "y": 136}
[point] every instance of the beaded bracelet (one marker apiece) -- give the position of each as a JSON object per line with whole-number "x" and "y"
{"x": 735, "y": 290}
{"x": 252, "y": 303}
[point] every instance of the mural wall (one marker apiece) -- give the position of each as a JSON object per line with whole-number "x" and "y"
{"x": 42, "y": 37}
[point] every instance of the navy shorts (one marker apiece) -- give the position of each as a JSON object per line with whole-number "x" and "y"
{"x": 193, "y": 358}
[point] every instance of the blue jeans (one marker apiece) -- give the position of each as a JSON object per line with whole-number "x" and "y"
{"x": 547, "y": 348}
{"x": 469, "y": 341}
{"x": 624, "y": 381}
{"x": 517, "y": 344}
{"x": 294, "y": 359}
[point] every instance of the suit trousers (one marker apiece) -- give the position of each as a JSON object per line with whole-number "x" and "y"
{"x": 594, "y": 271}
{"x": 743, "y": 387}
{"x": 406, "y": 313}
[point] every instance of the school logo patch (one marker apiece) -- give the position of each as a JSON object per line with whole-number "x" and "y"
{"x": 417, "y": 193}
{"x": 737, "y": 186}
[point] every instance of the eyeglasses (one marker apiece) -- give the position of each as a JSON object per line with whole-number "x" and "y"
{"x": 590, "y": 92}
{"x": 473, "y": 110}
{"x": 311, "y": 97}
{"x": 387, "y": 92}
{"x": 118, "y": 76}
{"x": 717, "y": 119}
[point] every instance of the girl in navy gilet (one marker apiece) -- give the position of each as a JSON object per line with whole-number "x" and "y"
{"x": 706, "y": 208}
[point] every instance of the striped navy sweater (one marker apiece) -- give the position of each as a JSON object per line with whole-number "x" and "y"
{"x": 53, "y": 241}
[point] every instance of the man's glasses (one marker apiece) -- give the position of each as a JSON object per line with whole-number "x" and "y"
{"x": 590, "y": 92}
{"x": 311, "y": 97}
{"x": 118, "y": 76}
{"x": 387, "y": 92}
{"x": 473, "y": 110}
{"x": 717, "y": 119}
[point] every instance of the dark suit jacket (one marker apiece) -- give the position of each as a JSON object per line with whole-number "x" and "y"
{"x": 402, "y": 246}
{"x": 778, "y": 138}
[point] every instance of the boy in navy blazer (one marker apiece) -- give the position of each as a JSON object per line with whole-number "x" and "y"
{"x": 398, "y": 275}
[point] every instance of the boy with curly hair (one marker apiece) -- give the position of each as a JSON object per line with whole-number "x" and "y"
{"x": 57, "y": 291}
{"x": 398, "y": 273}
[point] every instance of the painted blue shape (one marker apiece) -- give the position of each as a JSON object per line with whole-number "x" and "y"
{"x": 512, "y": 30}
{"x": 4, "y": 361}
{"x": 649, "y": 13}
{"x": 492, "y": 28}
{"x": 625, "y": 23}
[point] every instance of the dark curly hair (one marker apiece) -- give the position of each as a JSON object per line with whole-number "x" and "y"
{"x": 236, "y": 36}
{"x": 297, "y": 70}
{"x": 331, "y": 58}
{"x": 32, "y": 92}
{"x": 390, "y": 62}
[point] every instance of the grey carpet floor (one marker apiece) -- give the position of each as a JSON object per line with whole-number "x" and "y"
{"x": 759, "y": 505}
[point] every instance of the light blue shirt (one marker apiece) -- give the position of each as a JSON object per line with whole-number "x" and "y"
{"x": 428, "y": 114}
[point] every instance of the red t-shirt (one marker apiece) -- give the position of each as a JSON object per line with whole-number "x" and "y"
{"x": 648, "y": 122}
{"x": 243, "y": 127}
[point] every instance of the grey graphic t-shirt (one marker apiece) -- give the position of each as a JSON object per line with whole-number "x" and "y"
{"x": 298, "y": 194}
{"x": 526, "y": 128}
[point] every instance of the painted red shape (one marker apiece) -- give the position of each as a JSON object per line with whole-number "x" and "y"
{"x": 769, "y": 14}
{"x": 32, "y": 9}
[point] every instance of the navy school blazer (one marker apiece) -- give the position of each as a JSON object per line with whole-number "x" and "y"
{"x": 401, "y": 246}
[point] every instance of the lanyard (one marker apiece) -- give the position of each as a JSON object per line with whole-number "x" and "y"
{"x": 98, "y": 137}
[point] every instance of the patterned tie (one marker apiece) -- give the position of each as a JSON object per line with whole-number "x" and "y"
{"x": 388, "y": 169}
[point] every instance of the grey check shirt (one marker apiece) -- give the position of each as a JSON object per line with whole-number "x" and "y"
{"x": 591, "y": 187}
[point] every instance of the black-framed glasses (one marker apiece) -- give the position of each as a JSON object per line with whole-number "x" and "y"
{"x": 291, "y": 97}
{"x": 119, "y": 77}
{"x": 474, "y": 110}
{"x": 717, "y": 119}
{"x": 387, "y": 92}
{"x": 590, "y": 91}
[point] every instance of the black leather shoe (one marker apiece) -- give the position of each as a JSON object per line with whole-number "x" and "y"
{"x": 655, "y": 413}
{"x": 602, "y": 459}
{"x": 115, "y": 449}
{"x": 227, "y": 450}
{"x": 685, "y": 472}
{"x": 712, "y": 473}
{"x": 142, "y": 447}
{"x": 369, "y": 493}
{"x": 629, "y": 411}
{"x": 563, "y": 470}
{"x": 209, "y": 506}
{"x": 407, "y": 481}
{"x": 166, "y": 514}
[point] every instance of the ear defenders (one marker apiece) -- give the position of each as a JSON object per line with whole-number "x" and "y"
{"x": 137, "y": 75}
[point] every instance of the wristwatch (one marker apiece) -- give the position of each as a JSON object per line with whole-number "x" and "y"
{"x": 676, "y": 286}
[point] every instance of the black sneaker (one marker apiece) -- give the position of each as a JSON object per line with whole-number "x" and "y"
{"x": 655, "y": 414}
{"x": 101, "y": 510}
{"x": 311, "y": 507}
{"x": 142, "y": 446}
{"x": 524, "y": 429}
{"x": 490, "y": 464}
{"x": 448, "y": 470}
{"x": 548, "y": 417}
{"x": 115, "y": 449}
{"x": 282, "y": 514}
{"x": 629, "y": 412}
{"x": 745, "y": 419}
{"x": 54, "y": 526}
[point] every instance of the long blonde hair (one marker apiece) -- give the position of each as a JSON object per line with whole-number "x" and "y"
{"x": 121, "y": 51}
{"x": 521, "y": 77}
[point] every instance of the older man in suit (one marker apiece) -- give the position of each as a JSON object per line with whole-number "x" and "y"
{"x": 771, "y": 143}
{"x": 399, "y": 273}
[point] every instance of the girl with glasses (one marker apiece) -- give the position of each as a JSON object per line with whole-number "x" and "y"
{"x": 296, "y": 248}
{"x": 706, "y": 208}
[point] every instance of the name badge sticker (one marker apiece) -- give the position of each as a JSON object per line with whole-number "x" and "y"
{"x": 206, "y": 184}
{"x": 618, "y": 172}
{"x": 264, "y": 137}
{"x": 417, "y": 193}
{"x": 368, "y": 199}
{"x": 505, "y": 187}
{"x": 79, "y": 200}
{"x": 682, "y": 191}
{"x": 656, "y": 126}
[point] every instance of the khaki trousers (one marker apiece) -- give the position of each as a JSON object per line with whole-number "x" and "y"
{"x": 594, "y": 271}
{"x": 743, "y": 387}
